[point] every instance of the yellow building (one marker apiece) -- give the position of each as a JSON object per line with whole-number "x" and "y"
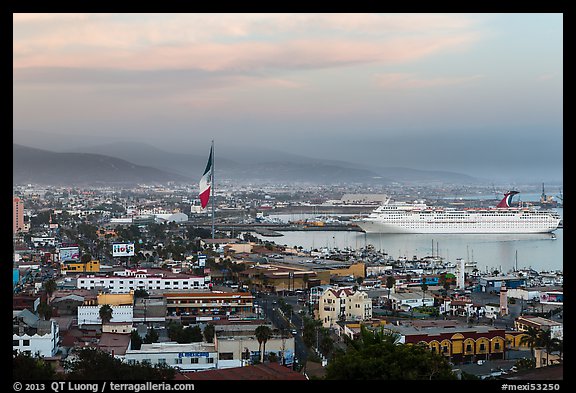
{"x": 459, "y": 344}
{"x": 92, "y": 266}
{"x": 116, "y": 299}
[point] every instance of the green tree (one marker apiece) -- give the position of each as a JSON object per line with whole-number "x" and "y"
{"x": 423, "y": 286}
{"x": 263, "y": 333}
{"x": 27, "y": 367}
{"x": 45, "y": 311}
{"x": 50, "y": 287}
{"x": 93, "y": 364}
{"x": 548, "y": 342}
{"x": 209, "y": 332}
{"x": 140, "y": 293}
{"x": 377, "y": 355}
{"x": 85, "y": 258}
{"x": 105, "y": 313}
{"x": 135, "y": 340}
{"x": 151, "y": 336}
{"x": 531, "y": 338}
{"x": 390, "y": 281}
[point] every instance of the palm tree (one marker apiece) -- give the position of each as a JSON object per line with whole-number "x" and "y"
{"x": 50, "y": 287}
{"x": 531, "y": 338}
{"x": 105, "y": 313}
{"x": 390, "y": 281}
{"x": 548, "y": 342}
{"x": 263, "y": 333}
{"x": 45, "y": 311}
{"x": 424, "y": 287}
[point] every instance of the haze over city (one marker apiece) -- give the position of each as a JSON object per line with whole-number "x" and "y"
{"x": 479, "y": 94}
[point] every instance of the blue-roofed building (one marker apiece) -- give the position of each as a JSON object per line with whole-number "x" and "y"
{"x": 492, "y": 284}
{"x": 15, "y": 277}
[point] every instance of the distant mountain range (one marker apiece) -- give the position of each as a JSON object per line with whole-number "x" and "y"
{"x": 131, "y": 163}
{"x": 45, "y": 167}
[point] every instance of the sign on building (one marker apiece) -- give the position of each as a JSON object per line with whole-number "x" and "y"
{"x": 69, "y": 253}
{"x": 123, "y": 249}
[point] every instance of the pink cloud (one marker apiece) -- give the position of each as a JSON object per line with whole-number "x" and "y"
{"x": 218, "y": 42}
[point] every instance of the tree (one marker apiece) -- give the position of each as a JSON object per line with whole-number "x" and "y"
{"x": 86, "y": 258}
{"x": 151, "y": 336}
{"x": 531, "y": 338}
{"x": 209, "y": 332}
{"x": 548, "y": 342}
{"x": 424, "y": 286}
{"x": 140, "y": 293}
{"x": 28, "y": 367}
{"x": 50, "y": 287}
{"x": 45, "y": 311}
{"x": 94, "y": 364}
{"x": 263, "y": 333}
{"x": 378, "y": 355}
{"x": 135, "y": 340}
{"x": 390, "y": 281}
{"x": 105, "y": 313}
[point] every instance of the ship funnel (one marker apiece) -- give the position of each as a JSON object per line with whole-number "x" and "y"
{"x": 507, "y": 200}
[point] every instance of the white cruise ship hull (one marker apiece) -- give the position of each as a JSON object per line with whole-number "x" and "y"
{"x": 386, "y": 227}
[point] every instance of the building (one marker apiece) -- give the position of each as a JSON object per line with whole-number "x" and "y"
{"x": 147, "y": 279}
{"x": 35, "y": 335}
{"x": 209, "y": 305}
{"x": 459, "y": 343}
{"x": 257, "y": 372}
{"x": 461, "y": 308}
{"x": 274, "y": 278}
{"x": 116, "y": 299}
{"x": 238, "y": 346}
{"x": 114, "y": 343}
{"x": 17, "y": 215}
{"x": 344, "y": 304}
{"x": 317, "y": 292}
{"x": 522, "y": 324}
{"x": 186, "y": 357}
{"x": 150, "y": 309}
{"x": 67, "y": 305}
{"x": 406, "y": 301}
{"x": 90, "y": 315}
{"x": 492, "y": 284}
{"x": 77, "y": 266}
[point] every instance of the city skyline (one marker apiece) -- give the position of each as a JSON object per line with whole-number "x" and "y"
{"x": 479, "y": 94}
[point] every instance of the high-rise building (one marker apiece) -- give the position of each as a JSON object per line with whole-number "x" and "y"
{"x": 17, "y": 214}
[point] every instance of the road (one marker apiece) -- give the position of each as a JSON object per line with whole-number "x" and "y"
{"x": 269, "y": 304}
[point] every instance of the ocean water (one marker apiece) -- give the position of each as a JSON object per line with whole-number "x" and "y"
{"x": 542, "y": 252}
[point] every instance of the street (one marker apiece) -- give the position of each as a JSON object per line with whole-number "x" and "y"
{"x": 269, "y": 304}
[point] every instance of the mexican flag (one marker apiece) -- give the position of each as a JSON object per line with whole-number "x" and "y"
{"x": 206, "y": 182}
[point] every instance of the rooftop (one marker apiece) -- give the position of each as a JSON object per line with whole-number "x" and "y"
{"x": 268, "y": 371}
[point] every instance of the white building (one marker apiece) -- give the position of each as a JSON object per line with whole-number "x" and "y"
{"x": 405, "y": 301}
{"x": 30, "y": 333}
{"x": 344, "y": 304}
{"x": 90, "y": 315}
{"x": 186, "y": 357}
{"x": 148, "y": 279}
{"x": 238, "y": 346}
{"x": 524, "y": 293}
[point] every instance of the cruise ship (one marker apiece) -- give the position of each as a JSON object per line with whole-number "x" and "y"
{"x": 404, "y": 217}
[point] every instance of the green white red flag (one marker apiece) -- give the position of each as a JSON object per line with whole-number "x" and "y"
{"x": 206, "y": 182}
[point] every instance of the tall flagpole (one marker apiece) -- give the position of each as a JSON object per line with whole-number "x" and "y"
{"x": 212, "y": 191}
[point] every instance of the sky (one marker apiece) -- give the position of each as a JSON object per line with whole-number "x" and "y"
{"x": 480, "y": 94}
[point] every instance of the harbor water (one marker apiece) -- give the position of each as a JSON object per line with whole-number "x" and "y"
{"x": 541, "y": 252}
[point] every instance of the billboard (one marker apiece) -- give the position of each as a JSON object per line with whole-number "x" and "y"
{"x": 123, "y": 249}
{"x": 68, "y": 253}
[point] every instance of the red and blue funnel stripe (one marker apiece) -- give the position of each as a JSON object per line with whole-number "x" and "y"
{"x": 507, "y": 200}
